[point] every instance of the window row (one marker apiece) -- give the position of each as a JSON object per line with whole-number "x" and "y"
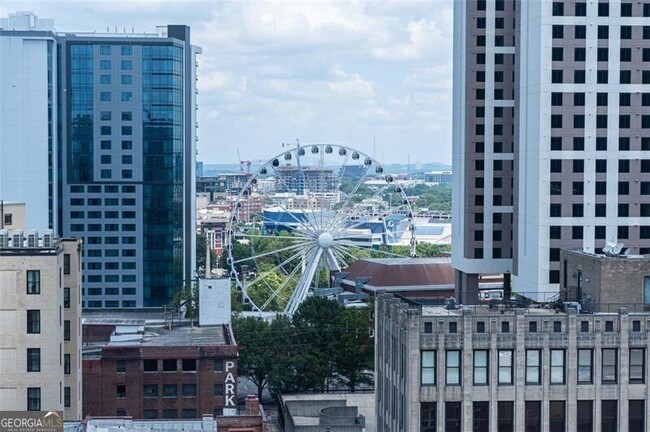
{"x": 124, "y": 79}
{"x": 602, "y": 77}
{"x": 578, "y": 144}
{"x": 580, "y": 31}
{"x": 107, "y": 96}
{"x": 170, "y": 365}
{"x": 125, "y": 50}
{"x": 556, "y": 413}
{"x": 534, "y": 365}
{"x": 108, "y": 115}
{"x": 126, "y": 189}
{"x": 108, "y": 304}
{"x": 577, "y": 121}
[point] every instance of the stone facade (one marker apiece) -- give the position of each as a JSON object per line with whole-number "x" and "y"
{"x": 524, "y": 370}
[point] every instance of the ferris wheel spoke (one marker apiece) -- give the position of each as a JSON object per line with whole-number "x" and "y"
{"x": 344, "y": 251}
{"x": 334, "y": 221}
{"x": 339, "y": 257}
{"x": 274, "y": 293}
{"x": 302, "y": 287}
{"x": 267, "y": 273}
{"x": 273, "y": 252}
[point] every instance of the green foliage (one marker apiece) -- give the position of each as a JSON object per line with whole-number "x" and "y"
{"x": 424, "y": 250}
{"x": 188, "y": 296}
{"x": 431, "y": 197}
{"x": 323, "y": 343}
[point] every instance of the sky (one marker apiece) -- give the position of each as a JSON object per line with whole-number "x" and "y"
{"x": 375, "y": 76}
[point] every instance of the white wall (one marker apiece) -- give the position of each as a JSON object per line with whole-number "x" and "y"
{"x": 214, "y": 301}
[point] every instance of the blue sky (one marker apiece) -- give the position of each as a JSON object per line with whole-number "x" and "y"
{"x": 271, "y": 72}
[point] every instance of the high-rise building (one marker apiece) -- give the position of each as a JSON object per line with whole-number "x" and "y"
{"x": 128, "y": 116}
{"x": 551, "y": 129}
{"x": 40, "y": 314}
{"x": 98, "y": 139}
{"x": 28, "y": 101}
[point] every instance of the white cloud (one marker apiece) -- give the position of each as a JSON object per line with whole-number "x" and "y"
{"x": 353, "y": 86}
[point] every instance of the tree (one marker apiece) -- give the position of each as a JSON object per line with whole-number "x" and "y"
{"x": 187, "y": 298}
{"x": 353, "y": 351}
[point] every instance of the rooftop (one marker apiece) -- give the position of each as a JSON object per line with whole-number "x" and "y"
{"x": 434, "y": 273}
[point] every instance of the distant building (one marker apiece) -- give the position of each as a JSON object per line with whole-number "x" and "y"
{"x": 13, "y": 215}
{"x": 40, "y": 339}
{"x": 289, "y": 179}
{"x": 140, "y": 368}
{"x": 222, "y": 184}
{"x": 605, "y": 283}
{"x": 438, "y": 177}
{"x": 528, "y": 370}
{"x": 199, "y": 169}
{"x": 315, "y": 412}
{"x": 353, "y": 173}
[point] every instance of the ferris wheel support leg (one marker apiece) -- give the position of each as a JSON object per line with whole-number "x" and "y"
{"x": 304, "y": 282}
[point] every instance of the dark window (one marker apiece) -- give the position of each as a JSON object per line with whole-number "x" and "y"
{"x": 428, "y": 417}
{"x": 603, "y": 54}
{"x": 623, "y": 188}
{"x": 626, "y": 32}
{"x": 120, "y": 366}
{"x": 625, "y": 77}
{"x": 150, "y": 413}
{"x": 556, "y": 143}
{"x": 584, "y": 326}
{"x": 554, "y": 254}
{"x": 533, "y": 417}
{"x": 556, "y": 165}
{"x": 33, "y": 321}
{"x": 602, "y": 77}
{"x": 624, "y": 99}
{"x": 601, "y": 99}
{"x": 578, "y": 121}
{"x": 556, "y": 99}
{"x": 637, "y": 407}
{"x": 599, "y": 232}
{"x": 66, "y": 397}
{"x": 557, "y": 325}
{"x": 579, "y": 54}
{"x": 33, "y": 398}
{"x": 555, "y": 232}
{"x": 66, "y": 330}
{"x": 579, "y": 99}
{"x": 169, "y": 365}
{"x": 558, "y": 31}
{"x": 453, "y": 416}
{"x": 603, "y": 30}
{"x": 626, "y": 9}
{"x": 557, "y": 54}
{"x": 532, "y": 327}
{"x": 578, "y": 165}
{"x": 636, "y": 326}
{"x": 609, "y": 416}
{"x": 601, "y": 165}
{"x": 580, "y": 31}
{"x": 577, "y": 232}
{"x": 66, "y": 364}
{"x": 585, "y": 414}
{"x": 33, "y": 359}
{"x": 150, "y": 390}
{"x": 603, "y": 10}
{"x": 555, "y": 210}
{"x": 601, "y": 143}
{"x": 556, "y": 76}
{"x": 169, "y": 413}
{"x": 150, "y": 365}
{"x": 453, "y": 327}
{"x": 601, "y": 121}
{"x": 622, "y": 232}
{"x": 481, "y": 416}
{"x": 188, "y": 390}
{"x": 33, "y": 281}
{"x": 577, "y": 210}
{"x": 624, "y": 165}
{"x": 189, "y": 365}
{"x": 480, "y": 327}
{"x": 505, "y": 327}
{"x": 626, "y": 54}
{"x": 170, "y": 390}
{"x": 558, "y": 8}
{"x": 556, "y": 188}
{"x": 581, "y": 9}
{"x": 218, "y": 389}
{"x": 557, "y": 416}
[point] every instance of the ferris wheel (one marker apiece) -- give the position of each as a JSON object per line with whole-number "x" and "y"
{"x": 308, "y": 213}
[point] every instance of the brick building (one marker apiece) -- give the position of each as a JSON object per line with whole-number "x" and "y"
{"x": 588, "y": 278}
{"x": 141, "y": 369}
{"x": 529, "y": 370}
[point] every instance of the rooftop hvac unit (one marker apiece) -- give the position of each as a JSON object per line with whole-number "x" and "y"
{"x": 17, "y": 238}
{"x": 4, "y": 238}
{"x": 48, "y": 238}
{"x": 32, "y": 239}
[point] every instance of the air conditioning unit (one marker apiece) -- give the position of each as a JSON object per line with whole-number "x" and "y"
{"x": 48, "y": 238}
{"x": 4, "y": 238}
{"x": 32, "y": 239}
{"x": 17, "y": 238}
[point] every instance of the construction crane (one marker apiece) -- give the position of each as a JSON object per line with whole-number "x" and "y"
{"x": 247, "y": 163}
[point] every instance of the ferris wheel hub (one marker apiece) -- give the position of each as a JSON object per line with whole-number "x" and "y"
{"x": 325, "y": 240}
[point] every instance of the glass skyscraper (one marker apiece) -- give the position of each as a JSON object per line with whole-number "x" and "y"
{"x": 127, "y": 144}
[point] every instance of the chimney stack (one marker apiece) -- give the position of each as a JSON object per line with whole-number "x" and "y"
{"x": 252, "y": 405}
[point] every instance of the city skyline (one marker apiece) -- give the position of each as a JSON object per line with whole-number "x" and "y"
{"x": 362, "y": 72}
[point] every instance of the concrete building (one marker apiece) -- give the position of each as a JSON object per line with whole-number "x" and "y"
{"x": 310, "y": 179}
{"x": 438, "y": 177}
{"x": 530, "y": 370}
{"x": 40, "y": 339}
{"x": 318, "y": 412}
{"x": 13, "y": 215}
{"x": 28, "y": 117}
{"x": 139, "y": 367}
{"x": 551, "y": 111}
{"x": 589, "y": 278}
{"x": 124, "y": 106}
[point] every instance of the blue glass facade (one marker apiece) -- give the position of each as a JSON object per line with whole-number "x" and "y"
{"x": 50, "y": 132}
{"x": 162, "y": 155}
{"x": 80, "y": 151}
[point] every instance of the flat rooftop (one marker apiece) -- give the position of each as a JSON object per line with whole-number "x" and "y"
{"x": 364, "y": 401}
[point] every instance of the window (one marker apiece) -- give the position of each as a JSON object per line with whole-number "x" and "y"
{"x": 453, "y": 326}
{"x": 452, "y": 371}
{"x": 609, "y": 416}
{"x": 626, "y": 9}
{"x": 105, "y": 96}
{"x": 505, "y": 367}
{"x": 66, "y": 364}
{"x": 610, "y": 364}
{"x": 481, "y": 360}
{"x": 626, "y": 32}
{"x": 557, "y": 414}
{"x": 609, "y": 326}
{"x": 188, "y": 413}
{"x": 121, "y": 391}
{"x": 505, "y": 416}
{"x": 626, "y": 54}
{"x": 33, "y": 281}
{"x": 428, "y": 370}
{"x": 558, "y": 8}
{"x": 602, "y": 77}
{"x": 579, "y": 54}
{"x": 646, "y": 290}
{"x": 169, "y": 413}
{"x": 558, "y": 32}
{"x": 33, "y": 359}
{"x": 585, "y": 365}
{"x": 505, "y": 327}
{"x": 120, "y": 366}
{"x": 533, "y": 415}
{"x": 533, "y": 366}
{"x": 169, "y": 365}
{"x": 557, "y": 366}
{"x": 170, "y": 390}
{"x": 453, "y": 416}
{"x": 33, "y": 398}
{"x": 188, "y": 390}
{"x": 532, "y": 327}
{"x": 557, "y": 326}
{"x": 33, "y": 321}
{"x": 104, "y": 79}
{"x": 126, "y": 65}
{"x": 428, "y": 417}
{"x": 585, "y": 416}
{"x": 127, "y": 96}
{"x": 557, "y": 54}
{"x": 581, "y": 9}
{"x": 218, "y": 389}
{"x": 556, "y": 76}
{"x": 480, "y": 327}
{"x": 636, "y": 326}
{"x": 189, "y": 365}
{"x": 428, "y": 328}
{"x": 625, "y": 77}
{"x": 66, "y": 330}
{"x": 580, "y": 32}
{"x": 481, "y": 416}
{"x": 150, "y": 365}
{"x": 150, "y": 391}
{"x": 150, "y": 413}
{"x": 637, "y": 365}
{"x": 637, "y": 407}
